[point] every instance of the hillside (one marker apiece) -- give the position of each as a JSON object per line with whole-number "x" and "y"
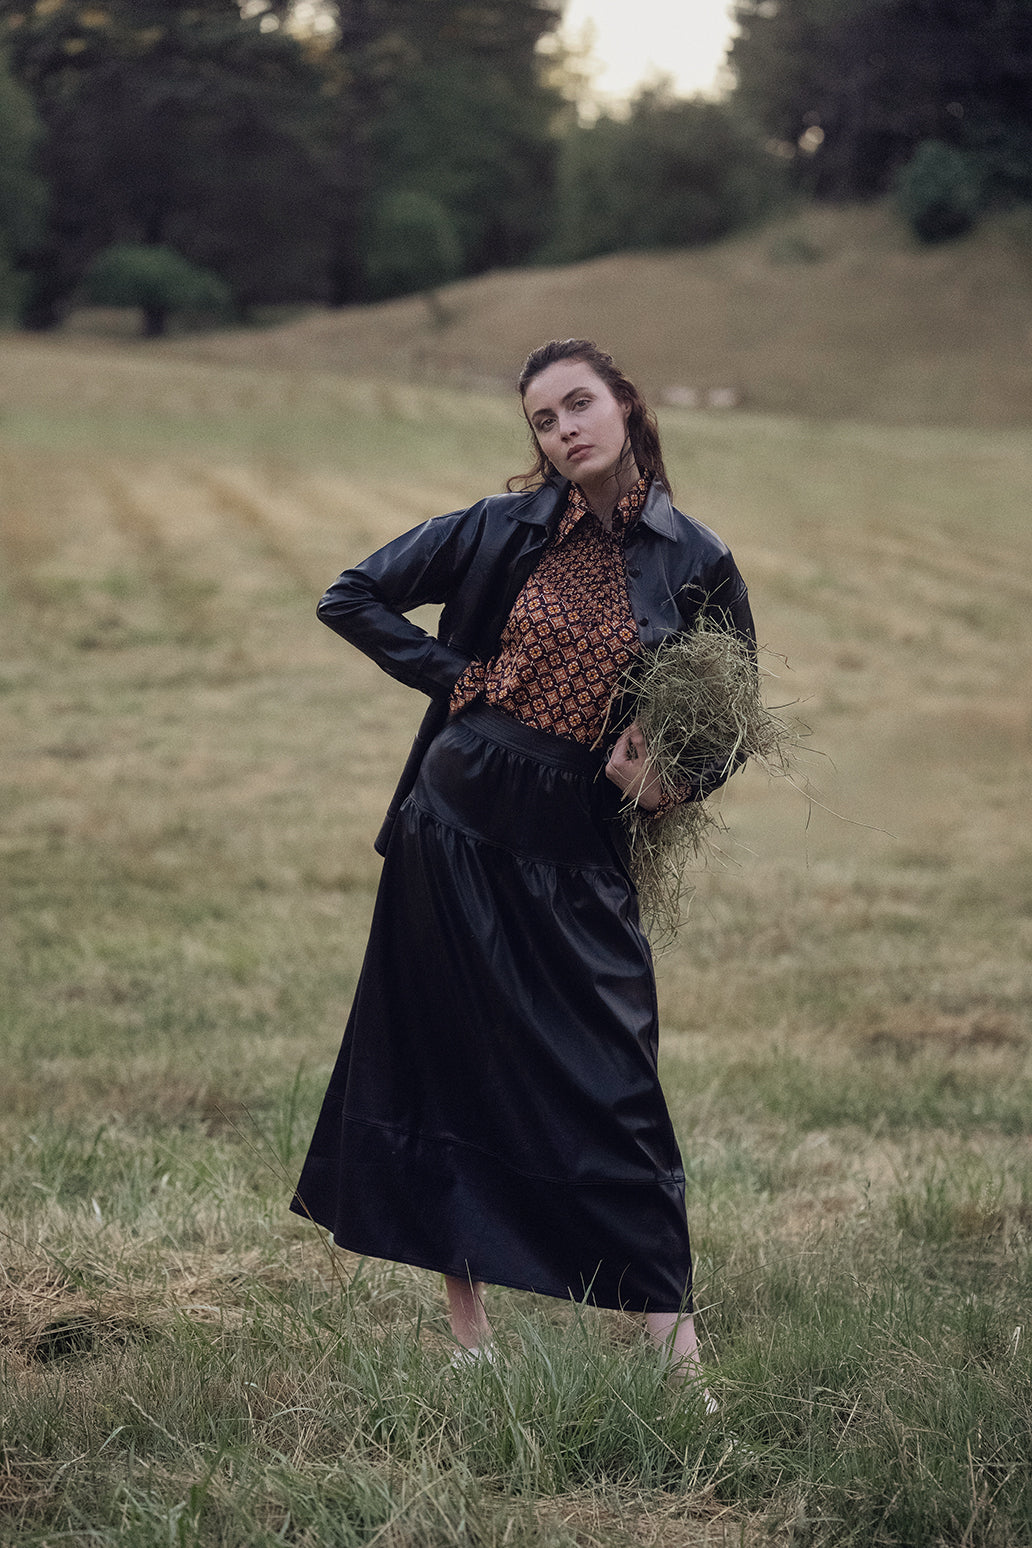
{"x": 832, "y": 313}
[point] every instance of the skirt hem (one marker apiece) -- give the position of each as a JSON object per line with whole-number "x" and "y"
{"x": 502, "y": 1283}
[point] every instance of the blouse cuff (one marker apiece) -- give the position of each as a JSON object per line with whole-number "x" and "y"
{"x": 672, "y": 797}
{"x": 468, "y": 686}
{"x": 667, "y": 801}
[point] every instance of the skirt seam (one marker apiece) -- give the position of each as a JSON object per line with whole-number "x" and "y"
{"x": 660, "y": 1178}
{"x": 515, "y": 854}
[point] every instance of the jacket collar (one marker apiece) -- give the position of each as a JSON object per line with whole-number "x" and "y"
{"x": 658, "y": 511}
{"x": 541, "y": 504}
{"x": 538, "y": 506}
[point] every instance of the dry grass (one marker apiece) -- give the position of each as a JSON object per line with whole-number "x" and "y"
{"x": 174, "y": 718}
{"x": 699, "y": 703}
{"x": 660, "y": 1521}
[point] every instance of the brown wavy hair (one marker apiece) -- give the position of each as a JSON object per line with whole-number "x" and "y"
{"x": 642, "y": 431}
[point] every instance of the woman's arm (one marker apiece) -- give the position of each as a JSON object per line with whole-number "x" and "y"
{"x": 366, "y": 604}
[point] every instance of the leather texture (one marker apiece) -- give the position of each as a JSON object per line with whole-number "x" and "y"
{"x": 495, "y": 1111}
{"x": 476, "y": 561}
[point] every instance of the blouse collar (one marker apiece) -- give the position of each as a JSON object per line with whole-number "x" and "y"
{"x": 625, "y": 512}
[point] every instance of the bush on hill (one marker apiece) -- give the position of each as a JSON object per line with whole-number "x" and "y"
{"x": 939, "y": 191}
{"x": 158, "y": 280}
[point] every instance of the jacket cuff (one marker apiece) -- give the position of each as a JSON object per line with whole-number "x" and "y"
{"x": 440, "y": 669}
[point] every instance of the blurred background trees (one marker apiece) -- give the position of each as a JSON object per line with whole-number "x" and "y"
{"x": 447, "y": 99}
{"x": 186, "y": 126}
{"x": 672, "y": 173}
{"x": 336, "y": 151}
{"x": 855, "y": 92}
{"x": 22, "y": 191}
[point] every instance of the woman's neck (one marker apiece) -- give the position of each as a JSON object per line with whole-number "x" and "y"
{"x": 604, "y": 494}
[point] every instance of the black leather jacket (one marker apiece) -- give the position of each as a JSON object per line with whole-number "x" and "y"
{"x": 477, "y": 561}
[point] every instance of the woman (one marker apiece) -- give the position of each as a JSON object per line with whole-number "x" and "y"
{"x": 495, "y": 1112}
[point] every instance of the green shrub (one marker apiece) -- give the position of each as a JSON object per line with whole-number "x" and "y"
{"x": 413, "y": 246}
{"x": 939, "y": 191}
{"x": 156, "y": 279}
{"x": 674, "y": 173}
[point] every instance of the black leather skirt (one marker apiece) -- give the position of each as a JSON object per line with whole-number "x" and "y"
{"x": 495, "y": 1111}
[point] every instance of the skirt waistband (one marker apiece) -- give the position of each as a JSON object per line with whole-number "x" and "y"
{"x": 497, "y": 727}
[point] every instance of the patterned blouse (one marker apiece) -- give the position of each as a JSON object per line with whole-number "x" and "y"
{"x": 570, "y": 634}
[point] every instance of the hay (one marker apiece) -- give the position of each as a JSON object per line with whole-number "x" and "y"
{"x": 698, "y": 702}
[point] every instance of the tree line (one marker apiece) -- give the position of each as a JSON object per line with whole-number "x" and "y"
{"x": 236, "y": 153}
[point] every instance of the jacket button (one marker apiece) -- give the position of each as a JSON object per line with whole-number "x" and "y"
{"x": 643, "y": 622}
{"x": 634, "y": 573}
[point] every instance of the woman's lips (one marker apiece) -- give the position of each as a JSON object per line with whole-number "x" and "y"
{"x": 576, "y": 452}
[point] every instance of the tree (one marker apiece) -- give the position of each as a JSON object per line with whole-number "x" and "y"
{"x": 156, "y": 279}
{"x": 447, "y": 97}
{"x": 851, "y": 88}
{"x": 22, "y": 193}
{"x": 187, "y": 125}
{"x": 412, "y": 246}
{"x": 674, "y": 173}
{"x": 479, "y": 146}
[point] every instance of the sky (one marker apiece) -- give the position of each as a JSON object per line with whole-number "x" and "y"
{"x": 636, "y": 39}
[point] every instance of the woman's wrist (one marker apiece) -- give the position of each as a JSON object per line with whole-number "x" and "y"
{"x": 649, "y": 794}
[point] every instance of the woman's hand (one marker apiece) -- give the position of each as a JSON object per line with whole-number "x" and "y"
{"x": 631, "y": 769}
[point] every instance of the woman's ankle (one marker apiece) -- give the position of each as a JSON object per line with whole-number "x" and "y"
{"x": 467, "y": 1313}
{"x": 673, "y": 1334}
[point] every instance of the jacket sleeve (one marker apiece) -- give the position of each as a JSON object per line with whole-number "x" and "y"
{"x": 367, "y": 604}
{"x": 725, "y": 602}
{"x": 721, "y": 596}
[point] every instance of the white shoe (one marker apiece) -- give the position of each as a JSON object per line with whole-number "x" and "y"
{"x": 692, "y": 1384}
{"x": 463, "y": 1358}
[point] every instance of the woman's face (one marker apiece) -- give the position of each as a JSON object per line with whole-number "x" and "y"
{"x": 579, "y": 424}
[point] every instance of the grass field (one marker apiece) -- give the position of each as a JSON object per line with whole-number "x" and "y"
{"x": 193, "y": 770}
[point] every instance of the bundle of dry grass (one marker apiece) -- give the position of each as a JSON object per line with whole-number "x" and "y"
{"x": 698, "y": 702}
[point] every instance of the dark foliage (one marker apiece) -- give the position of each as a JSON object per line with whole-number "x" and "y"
{"x": 446, "y": 99}
{"x": 851, "y": 88}
{"x": 673, "y": 174}
{"x": 185, "y": 125}
{"x": 22, "y": 192}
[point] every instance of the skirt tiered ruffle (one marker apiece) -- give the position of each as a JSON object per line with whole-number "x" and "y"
{"x": 495, "y": 1111}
